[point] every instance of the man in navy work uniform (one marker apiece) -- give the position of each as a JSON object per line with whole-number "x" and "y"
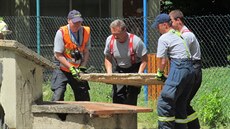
{"x": 71, "y": 52}
{"x": 130, "y": 56}
{"x": 172, "y": 101}
{"x": 177, "y": 19}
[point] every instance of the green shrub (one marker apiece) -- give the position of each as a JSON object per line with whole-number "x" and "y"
{"x": 212, "y": 100}
{"x": 210, "y": 108}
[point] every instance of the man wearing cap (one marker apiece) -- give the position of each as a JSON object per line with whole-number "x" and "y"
{"x": 71, "y": 53}
{"x": 177, "y": 19}
{"x": 172, "y": 101}
{"x": 3, "y": 27}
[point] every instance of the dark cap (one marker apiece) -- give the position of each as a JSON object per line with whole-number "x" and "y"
{"x": 161, "y": 18}
{"x": 75, "y": 16}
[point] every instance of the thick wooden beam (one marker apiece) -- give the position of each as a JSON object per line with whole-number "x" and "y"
{"x": 134, "y": 79}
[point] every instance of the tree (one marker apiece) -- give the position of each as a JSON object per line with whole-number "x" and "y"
{"x": 197, "y": 7}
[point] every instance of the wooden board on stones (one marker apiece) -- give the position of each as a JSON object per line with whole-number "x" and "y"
{"x": 134, "y": 79}
{"x": 93, "y": 108}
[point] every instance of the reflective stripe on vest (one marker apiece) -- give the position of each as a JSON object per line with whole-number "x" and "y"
{"x": 131, "y": 50}
{"x": 71, "y": 46}
{"x": 184, "y": 42}
{"x": 166, "y": 119}
{"x": 192, "y": 117}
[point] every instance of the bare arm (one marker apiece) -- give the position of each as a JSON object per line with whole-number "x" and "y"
{"x": 108, "y": 64}
{"x": 62, "y": 59}
{"x": 161, "y": 63}
{"x": 144, "y": 61}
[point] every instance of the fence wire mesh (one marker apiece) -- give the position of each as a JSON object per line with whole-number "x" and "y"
{"x": 213, "y": 33}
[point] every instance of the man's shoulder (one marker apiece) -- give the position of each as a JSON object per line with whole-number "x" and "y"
{"x": 135, "y": 38}
{"x": 85, "y": 28}
{"x": 188, "y": 35}
{"x": 186, "y": 31}
{"x": 59, "y": 33}
{"x": 166, "y": 36}
{"x": 109, "y": 38}
{"x": 64, "y": 27}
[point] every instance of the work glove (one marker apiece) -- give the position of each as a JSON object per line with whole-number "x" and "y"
{"x": 82, "y": 69}
{"x": 160, "y": 76}
{"x": 75, "y": 72}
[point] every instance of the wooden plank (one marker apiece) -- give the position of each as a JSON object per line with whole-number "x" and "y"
{"x": 93, "y": 108}
{"x": 100, "y": 108}
{"x": 134, "y": 79}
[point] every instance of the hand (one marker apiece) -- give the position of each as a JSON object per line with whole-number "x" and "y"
{"x": 160, "y": 76}
{"x": 82, "y": 69}
{"x": 75, "y": 72}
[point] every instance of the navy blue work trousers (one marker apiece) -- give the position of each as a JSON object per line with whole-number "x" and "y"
{"x": 194, "y": 123}
{"x": 174, "y": 96}
{"x": 126, "y": 94}
{"x": 58, "y": 86}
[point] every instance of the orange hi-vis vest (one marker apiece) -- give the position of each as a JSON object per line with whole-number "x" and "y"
{"x": 71, "y": 46}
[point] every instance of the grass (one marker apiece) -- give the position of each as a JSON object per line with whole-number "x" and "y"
{"x": 211, "y": 102}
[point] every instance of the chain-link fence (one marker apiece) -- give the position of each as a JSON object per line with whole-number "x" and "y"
{"x": 213, "y": 33}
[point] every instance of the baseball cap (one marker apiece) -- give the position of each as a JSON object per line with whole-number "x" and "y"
{"x": 161, "y": 18}
{"x": 75, "y": 16}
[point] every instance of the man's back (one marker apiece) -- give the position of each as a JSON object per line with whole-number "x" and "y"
{"x": 192, "y": 42}
{"x": 172, "y": 46}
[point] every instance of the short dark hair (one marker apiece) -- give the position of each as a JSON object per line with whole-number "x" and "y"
{"x": 177, "y": 14}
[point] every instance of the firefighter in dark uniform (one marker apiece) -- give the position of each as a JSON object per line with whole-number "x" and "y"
{"x": 177, "y": 19}
{"x": 172, "y": 101}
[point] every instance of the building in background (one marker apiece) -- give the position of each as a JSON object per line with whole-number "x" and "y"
{"x": 88, "y": 8}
